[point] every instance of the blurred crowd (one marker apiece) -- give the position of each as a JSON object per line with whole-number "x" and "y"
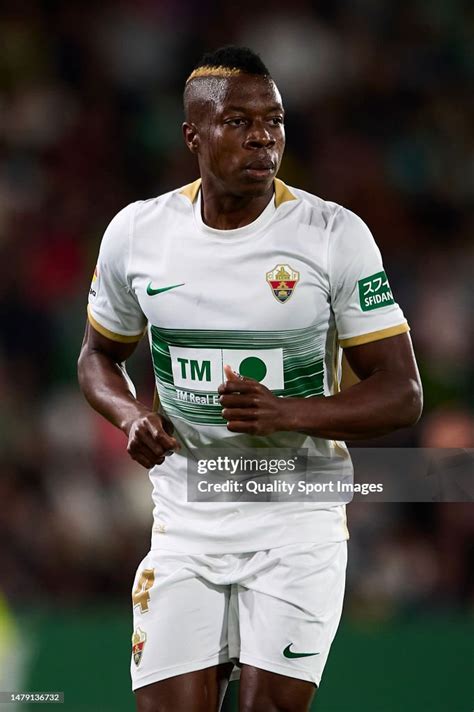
{"x": 90, "y": 116}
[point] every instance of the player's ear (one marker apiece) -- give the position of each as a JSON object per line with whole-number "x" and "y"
{"x": 191, "y": 137}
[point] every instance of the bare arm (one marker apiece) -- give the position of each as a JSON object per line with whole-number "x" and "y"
{"x": 105, "y": 386}
{"x": 388, "y": 397}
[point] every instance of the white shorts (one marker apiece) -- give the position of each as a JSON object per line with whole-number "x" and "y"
{"x": 277, "y": 609}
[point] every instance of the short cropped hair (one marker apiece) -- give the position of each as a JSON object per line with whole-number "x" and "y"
{"x": 228, "y": 62}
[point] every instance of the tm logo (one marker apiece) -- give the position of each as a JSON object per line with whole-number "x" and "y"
{"x": 203, "y": 369}
{"x": 195, "y": 370}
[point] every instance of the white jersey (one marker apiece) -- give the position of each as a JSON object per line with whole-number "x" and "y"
{"x": 276, "y": 300}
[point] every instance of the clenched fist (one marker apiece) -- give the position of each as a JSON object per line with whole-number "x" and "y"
{"x": 250, "y": 407}
{"x": 150, "y": 440}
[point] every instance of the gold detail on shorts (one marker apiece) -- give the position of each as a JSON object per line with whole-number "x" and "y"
{"x": 140, "y": 595}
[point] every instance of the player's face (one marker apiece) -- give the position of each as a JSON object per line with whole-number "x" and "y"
{"x": 241, "y": 149}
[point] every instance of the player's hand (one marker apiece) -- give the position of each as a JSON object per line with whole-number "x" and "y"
{"x": 150, "y": 440}
{"x": 250, "y": 407}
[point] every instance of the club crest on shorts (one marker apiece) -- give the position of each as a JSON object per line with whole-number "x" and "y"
{"x": 282, "y": 281}
{"x": 138, "y": 643}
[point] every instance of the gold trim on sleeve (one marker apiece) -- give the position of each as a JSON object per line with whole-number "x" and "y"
{"x": 375, "y": 336}
{"x": 110, "y": 334}
{"x": 191, "y": 190}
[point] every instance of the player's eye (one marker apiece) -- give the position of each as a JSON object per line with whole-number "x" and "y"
{"x": 238, "y": 121}
{"x": 276, "y": 120}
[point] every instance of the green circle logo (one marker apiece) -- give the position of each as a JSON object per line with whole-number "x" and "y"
{"x": 253, "y": 367}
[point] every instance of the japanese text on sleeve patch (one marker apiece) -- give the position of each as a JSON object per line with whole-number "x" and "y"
{"x": 375, "y": 292}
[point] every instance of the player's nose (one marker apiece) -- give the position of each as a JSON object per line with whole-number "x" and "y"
{"x": 258, "y": 137}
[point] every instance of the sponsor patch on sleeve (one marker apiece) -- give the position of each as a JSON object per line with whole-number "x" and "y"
{"x": 375, "y": 292}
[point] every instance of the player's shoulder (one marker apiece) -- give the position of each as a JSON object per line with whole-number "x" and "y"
{"x": 178, "y": 200}
{"x": 137, "y": 219}
{"x": 336, "y": 219}
{"x": 310, "y": 209}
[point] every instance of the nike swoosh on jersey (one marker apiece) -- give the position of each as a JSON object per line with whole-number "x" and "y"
{"x": 289, "y": 654}
{"x": 151, "y": 292}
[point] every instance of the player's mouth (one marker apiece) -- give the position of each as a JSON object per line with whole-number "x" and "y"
{"x": 260, "y": 168}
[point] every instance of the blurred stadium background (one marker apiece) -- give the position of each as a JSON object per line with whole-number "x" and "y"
{"x": 90, "y": 114}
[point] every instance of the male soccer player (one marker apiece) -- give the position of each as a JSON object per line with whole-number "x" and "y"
{"x": 249, "y": 290}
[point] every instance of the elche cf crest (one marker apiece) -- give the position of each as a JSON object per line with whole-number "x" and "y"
{"x": 138, "y": 643}
{"x": 282, "y": 280}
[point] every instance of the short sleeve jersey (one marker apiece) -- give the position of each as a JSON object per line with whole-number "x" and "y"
{"x": 277, "y": 300}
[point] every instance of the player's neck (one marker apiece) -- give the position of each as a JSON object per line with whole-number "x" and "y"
{"x": 227, "y": 212}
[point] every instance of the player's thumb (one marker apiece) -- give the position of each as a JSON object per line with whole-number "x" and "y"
{"x": 166, "y": 437}
{"x": 230, "y": 374}
{"x": 171, "y": 442}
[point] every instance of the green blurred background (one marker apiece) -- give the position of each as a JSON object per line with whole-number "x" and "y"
{"x": 376, "y": 93}
{"x": 415, "y": 663}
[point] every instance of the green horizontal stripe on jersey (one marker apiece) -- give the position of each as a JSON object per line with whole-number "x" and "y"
{"x": 297, "y": 371}
{"x": 303, "y": 364}
{"x": 201, "y": 338}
